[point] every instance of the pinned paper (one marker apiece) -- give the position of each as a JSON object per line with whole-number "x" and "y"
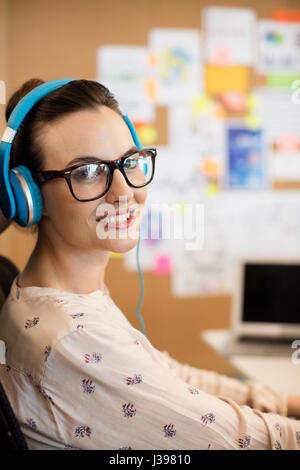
{"x": 277, "y": 112}
{"x": 229, "y": 35}
{"x": 123, "y": 69}
{"x": 221, "y": 79}
{"x": 279, "y": 51}
{"x": 246, "y": 159}
{"x": 177, "y": 70}
{"x": 162, "y": 265}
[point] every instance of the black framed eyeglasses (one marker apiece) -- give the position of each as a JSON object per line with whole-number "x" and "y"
{"x": 91, "y": 180}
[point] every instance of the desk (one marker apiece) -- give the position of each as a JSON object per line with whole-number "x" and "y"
{"x": 278, "y": 372}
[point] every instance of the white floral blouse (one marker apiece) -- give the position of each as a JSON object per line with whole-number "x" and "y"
{"x": 79, "y": 376}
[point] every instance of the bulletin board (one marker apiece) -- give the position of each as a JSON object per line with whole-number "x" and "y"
{"x": 60, "y": 38}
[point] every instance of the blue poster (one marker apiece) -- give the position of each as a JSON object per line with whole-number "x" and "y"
{"x": 245, "y": 159}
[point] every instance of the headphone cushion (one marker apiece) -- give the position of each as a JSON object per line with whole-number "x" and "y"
{"x": 20, "y": 198}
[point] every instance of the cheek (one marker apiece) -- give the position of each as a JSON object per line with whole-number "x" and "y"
{"x": 61, "y": 208}
{"x": 141, "y": 195}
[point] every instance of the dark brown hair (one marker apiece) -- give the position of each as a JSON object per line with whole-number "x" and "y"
{"x": 75, "y": 96}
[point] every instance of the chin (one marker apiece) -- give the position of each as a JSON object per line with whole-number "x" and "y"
{"x": 119, "y": 246}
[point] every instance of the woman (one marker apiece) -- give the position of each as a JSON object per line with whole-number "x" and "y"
{"x": 78, "y": 375}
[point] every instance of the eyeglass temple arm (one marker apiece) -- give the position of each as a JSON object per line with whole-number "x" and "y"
{"x": 46, "y": 175}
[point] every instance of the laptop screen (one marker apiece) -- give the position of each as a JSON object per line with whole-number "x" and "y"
{"x": 271, "y": 293}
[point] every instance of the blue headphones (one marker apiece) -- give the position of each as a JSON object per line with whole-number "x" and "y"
{"x": 20, "y": 197}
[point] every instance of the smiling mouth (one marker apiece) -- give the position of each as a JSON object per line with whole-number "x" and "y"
{"x": 117, "y": 221}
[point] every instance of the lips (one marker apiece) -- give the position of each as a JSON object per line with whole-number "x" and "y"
{"x": 118, "y": 219}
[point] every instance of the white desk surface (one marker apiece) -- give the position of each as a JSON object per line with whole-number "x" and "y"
{"x": 278, "y": 372}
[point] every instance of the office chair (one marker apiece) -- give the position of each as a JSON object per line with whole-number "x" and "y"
{"x": 11, "y": 437}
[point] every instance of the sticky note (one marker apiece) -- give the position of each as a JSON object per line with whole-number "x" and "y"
{"x": 210, "y": 167}
{"x": 211, "y": 189}
{"x": 234, "y": 100}
{"x": 281, "y": 80}
{"x": 222, "y": 55}
{"x": 218, "y": 111}
{"x": 221, "y": 79}
{"x": 162, "y": 265}
{"x": 146, "y": 132}
{"x": 282, "y": 14}
{"x": 252, "y": 122}
{"x": 200, "y": 103}
{"x": 151, "y": 89}
{"x": 116, "y": 255}
{"x": 251, "y": 101}
{"x": 287, "y": 143}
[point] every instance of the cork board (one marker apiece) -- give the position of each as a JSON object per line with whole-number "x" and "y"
{"x": 58, "y": 39}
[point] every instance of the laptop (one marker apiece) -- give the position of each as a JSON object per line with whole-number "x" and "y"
{"x": 265, "y": 316}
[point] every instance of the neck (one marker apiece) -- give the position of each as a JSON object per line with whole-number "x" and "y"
{"x": 63, "y": 266}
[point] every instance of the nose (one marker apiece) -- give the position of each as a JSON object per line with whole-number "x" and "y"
{"x": 119, "y": 189}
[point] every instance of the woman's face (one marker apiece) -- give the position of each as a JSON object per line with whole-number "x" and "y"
{"x": 103, "y": 134}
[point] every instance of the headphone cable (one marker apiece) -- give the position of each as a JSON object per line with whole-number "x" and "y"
{"x": 142, "y": 287}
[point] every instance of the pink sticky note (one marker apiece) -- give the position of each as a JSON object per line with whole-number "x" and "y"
{"x": 222, "y": 55}
{"x": 234, "y": 100}
{"x": 162, "y": 265}
{"x": 287, "y": 143}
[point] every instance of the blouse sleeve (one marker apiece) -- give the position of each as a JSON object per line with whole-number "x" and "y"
{"x": 109, "y": 390}
{"x": 259, "y": 396}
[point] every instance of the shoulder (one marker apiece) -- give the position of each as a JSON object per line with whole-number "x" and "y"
{"x": 32, "y": 325}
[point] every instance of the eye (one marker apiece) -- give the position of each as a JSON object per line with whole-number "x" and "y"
{"x": 131, "y": 162}
{"x": 90, "y": 172}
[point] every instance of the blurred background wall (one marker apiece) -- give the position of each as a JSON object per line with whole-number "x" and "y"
{"x": 52, "y": 39}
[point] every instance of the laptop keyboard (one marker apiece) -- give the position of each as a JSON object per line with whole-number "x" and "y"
{"x": 260, "y": 346}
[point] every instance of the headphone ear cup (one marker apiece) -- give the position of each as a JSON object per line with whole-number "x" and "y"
{"x": 28, "y": 197}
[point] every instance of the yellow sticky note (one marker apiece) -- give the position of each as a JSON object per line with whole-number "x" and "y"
{"x": 211, "y": 189}
{"x": 220, "y": 79}
{"x": 200, "y": 103}
{"x": 210, "y": 168}
{"x": 148, "y": 135}
{"x": 252, "y": 122}
{"x": 251, "y": 101}
{"x": 116, "y": 255}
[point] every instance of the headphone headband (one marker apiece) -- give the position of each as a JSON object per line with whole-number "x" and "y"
{"x": 20, "y": 197}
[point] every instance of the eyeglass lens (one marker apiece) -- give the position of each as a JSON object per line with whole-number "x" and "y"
{"x": 91, "y": 180}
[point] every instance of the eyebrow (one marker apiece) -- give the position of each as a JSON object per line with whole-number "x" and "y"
{"x": 87, "y": 159}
